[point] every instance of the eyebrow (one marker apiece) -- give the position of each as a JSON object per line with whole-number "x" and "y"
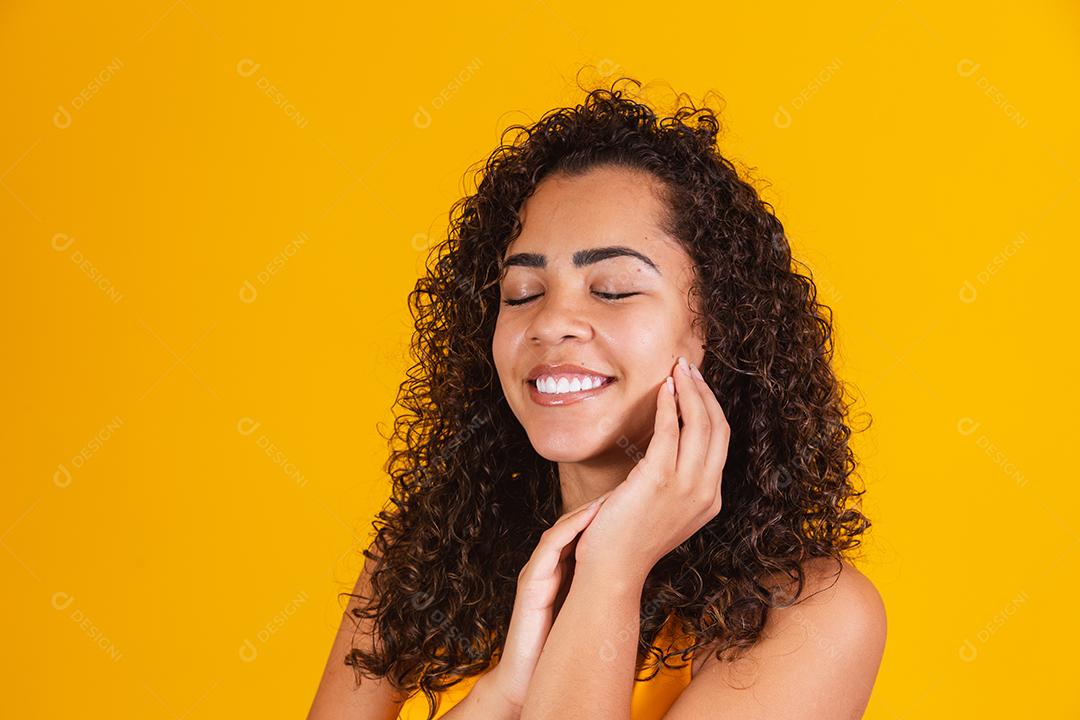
{"x": 581, "y": 258}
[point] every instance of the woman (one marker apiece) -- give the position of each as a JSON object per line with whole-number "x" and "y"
{"x": 624, "y": 447}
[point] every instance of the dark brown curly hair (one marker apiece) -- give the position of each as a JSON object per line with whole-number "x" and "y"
{"x": 471, "y": 496}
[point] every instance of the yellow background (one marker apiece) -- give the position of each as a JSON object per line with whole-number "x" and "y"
{"x": 215, "y": 215}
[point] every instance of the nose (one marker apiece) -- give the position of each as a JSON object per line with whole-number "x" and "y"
{"x": 559, "y": 315}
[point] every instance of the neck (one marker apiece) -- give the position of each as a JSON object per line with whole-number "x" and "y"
{"x": 582, "y": 482}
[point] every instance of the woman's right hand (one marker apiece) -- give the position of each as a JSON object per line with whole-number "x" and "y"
{"x": 541, "y": 588}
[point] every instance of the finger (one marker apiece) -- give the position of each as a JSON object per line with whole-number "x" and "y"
{"x": 566, "y": 576}
{"x": 553, "y": 542}
{"x": 586, "y": 506}
{"x": 720, "y": 438}
{"x": 567, "y": 553}
{"x": 694, "y": 436}
{"x": 568, "y": 550}
{"x": 665, "y": 439}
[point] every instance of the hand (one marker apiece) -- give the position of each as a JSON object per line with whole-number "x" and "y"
{"x": 542, "y": 586}
{"x": 673, "y": 490}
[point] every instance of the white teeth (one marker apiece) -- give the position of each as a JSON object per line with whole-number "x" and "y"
{"x": 550, "y": 386}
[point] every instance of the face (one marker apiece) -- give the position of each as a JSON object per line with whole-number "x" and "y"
{"x": 623, "y": 314}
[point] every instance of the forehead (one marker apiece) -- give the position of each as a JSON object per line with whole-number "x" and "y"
{"x": 604, "y": 206}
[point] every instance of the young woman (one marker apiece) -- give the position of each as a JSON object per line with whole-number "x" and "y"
{"x": 624, "y": 452}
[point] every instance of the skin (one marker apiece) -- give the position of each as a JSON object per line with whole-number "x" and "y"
{"x": 667, "y": 497}
{"x": 596, "y": 443}
{"x": 566, "y": 317}
{"x": 579, "y": 658}
{"x": 654, "y": 461}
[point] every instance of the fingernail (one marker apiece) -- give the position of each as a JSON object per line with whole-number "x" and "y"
{"x": 683, "y": 365}
{"x": 670, "y": 384}
{"x": 695, "y": 372}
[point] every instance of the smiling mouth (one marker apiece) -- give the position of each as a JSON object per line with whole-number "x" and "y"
{"x": 569, "y": 396}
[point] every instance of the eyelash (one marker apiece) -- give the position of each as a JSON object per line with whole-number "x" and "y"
{"x": 611, "y": 297}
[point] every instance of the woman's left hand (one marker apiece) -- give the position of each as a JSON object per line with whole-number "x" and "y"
{"x": 673, "y": 490}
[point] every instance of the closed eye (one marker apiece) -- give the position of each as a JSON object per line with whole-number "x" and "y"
{"x": 611, "y": 297}
{"x": 615, "y": 296}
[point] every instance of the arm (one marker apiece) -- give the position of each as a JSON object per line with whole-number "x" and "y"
{"x": 498, "y": 694}
{"x": 817, "y": 659}
{"x": 484, "y": 702}
{"x": 337, "y": 696}
{"x": 587, "y": 665}
{"x": 586, "y": 669}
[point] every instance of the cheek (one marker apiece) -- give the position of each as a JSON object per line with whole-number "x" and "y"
{"x": 498, "y": 347}
{"x": 503, "y": 349}
{"x": 675, "y": 328}
{"x": 645, "y": 330}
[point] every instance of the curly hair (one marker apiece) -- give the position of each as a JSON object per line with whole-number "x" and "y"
{"x": 470, "y": 495}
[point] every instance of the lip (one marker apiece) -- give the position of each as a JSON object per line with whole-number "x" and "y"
{"x": 560, "y": 368}
{"x": 570, "y": 398}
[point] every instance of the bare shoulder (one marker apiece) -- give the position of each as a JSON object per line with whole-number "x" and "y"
{"x": 816, "y": 658}
{"x": 840, "y": 589}
{"x": 837, "y": 599}
{"x": 338, "y": 694}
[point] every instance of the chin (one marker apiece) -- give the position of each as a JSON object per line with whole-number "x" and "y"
{"x": 572, "y": 443}
{"x": 564, "y": 447}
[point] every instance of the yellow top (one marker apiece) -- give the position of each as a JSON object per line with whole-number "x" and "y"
{"x": 652, "y": 698}
{"x": 649, "y": 701}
